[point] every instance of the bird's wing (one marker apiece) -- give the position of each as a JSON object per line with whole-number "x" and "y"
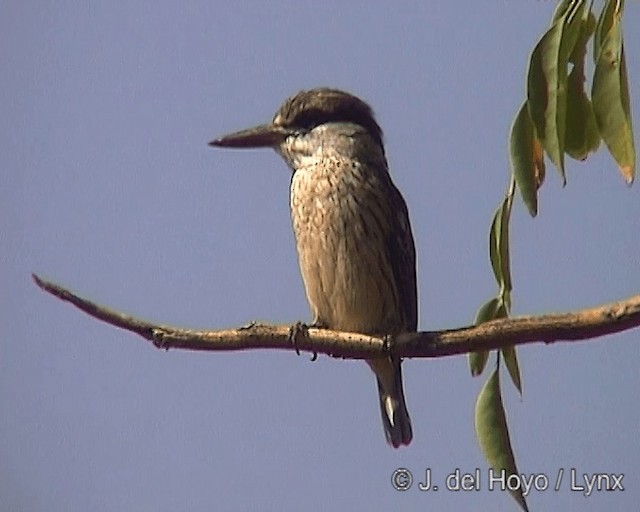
{"x": 402, "y": 254}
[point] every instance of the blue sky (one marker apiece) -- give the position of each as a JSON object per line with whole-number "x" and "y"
{"x": 109, "y": 187}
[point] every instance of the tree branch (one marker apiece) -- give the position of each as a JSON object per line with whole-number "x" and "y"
{"x": 575, "y": 326}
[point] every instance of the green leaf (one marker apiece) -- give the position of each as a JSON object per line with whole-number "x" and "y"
{"x": 499, "y": 247}
{"x": 572, "y": 24}
{"x": 547, "y": 80}
{"x": 542, "y": 94}
{"x": 561, "y": 10}
{"x": 511, "y": 361}
{"x": 568, "y": 8}
{"x": 586, "y": 30}
{"x": 503, "y": 249}
{"x": 494, "y": 253}
{"x": 605, "y": 21}
{"x": 477, "y": 361}
{"x": 581, "y": 137}
{"x": 493, "y": 434}
{"x": 527, "y": 160}
{"x": 542, "y": 97}
{"x": 490, "y": 310}
{"x": 610, "y": 96}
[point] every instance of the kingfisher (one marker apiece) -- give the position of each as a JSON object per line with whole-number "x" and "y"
{"x": 351, "y": 224}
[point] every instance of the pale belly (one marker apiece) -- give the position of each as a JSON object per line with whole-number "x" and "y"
{"x": 340, "y": 231}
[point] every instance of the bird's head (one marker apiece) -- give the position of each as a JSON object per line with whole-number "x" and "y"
{"x": 303, "y": 122}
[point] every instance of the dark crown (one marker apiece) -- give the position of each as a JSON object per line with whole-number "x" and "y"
{"x": 308, "y": 109}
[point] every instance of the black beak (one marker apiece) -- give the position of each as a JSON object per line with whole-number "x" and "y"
{"x": 265, "y": 135}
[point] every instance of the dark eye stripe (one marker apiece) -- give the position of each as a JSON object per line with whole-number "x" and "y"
{"x": 315, "y": 117}
{"x": 309, "y": 109}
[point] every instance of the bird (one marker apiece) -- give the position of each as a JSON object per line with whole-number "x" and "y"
{"x": 351, "y": 224}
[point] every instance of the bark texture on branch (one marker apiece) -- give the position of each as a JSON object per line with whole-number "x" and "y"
{"x": 579, "y": 325}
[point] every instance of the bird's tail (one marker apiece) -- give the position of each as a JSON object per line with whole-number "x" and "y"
{"x": 395, "y": 417}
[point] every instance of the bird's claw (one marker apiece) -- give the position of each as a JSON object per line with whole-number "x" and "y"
{"x": 249, "y": 326}
{"x": 296, "y": 330}
{"x": 387, "y": 344}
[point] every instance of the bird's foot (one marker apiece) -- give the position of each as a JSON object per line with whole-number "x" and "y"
{"x": 387, "y": 344}
{"x": 302, "y": 329}
{"x": 297, "y": 329}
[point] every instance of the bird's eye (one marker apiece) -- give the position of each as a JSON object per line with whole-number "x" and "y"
{"x": 309, "y": 119}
